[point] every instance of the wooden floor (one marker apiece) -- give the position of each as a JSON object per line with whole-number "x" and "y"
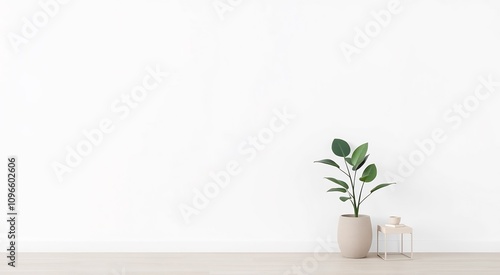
{"x": 248, "y": 263}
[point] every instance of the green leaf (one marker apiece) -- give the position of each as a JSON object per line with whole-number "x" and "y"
{"x": 380, "y": 186}
{"x": 349, "y": 161}
{"x": 369, "y": 174}
{"x": 337, "y": 190}
{"x": 329, "y": 162}
{"x": 339, "y": 182}
{"x": 359, "y": 154}
{"x": 344, "y": 198}
{"x": 340, "y": 148}
{"x": 356, "y": 167}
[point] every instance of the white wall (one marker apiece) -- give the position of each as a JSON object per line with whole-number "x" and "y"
{"x": 228, "y": 78}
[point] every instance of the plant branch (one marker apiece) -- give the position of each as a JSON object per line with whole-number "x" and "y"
{"x": 354, "y": 204}
{"x": 343, "y": 171}
{"x": 361, "y": 193}
{"x": 365, "y": 198}
{"x": 349, "y": 174}
{"x": 354, "y": 185}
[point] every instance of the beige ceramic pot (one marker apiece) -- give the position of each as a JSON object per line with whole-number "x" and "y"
{"x": 354, "y": 235}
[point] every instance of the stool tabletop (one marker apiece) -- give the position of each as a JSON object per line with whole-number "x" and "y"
{"x": 394, "y": 230}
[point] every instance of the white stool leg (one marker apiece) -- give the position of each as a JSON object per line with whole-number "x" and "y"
{"x": 411, "y": 245}
{"x": 402, "y": 250}
{"x": 385, "y": 241}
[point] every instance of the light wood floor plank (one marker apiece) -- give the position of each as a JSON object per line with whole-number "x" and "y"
{"x": 248, "y": 264}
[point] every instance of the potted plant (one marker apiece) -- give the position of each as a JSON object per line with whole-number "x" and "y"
{"x": 354, "y": 234}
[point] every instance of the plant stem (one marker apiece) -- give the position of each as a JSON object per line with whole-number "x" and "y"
{"x": 356, "y": 209}
{"x": 343, "y": 172}
{"x": 360, "y": 193}
{"x": 365, "y": 198}
{"x": 359, "y": 197}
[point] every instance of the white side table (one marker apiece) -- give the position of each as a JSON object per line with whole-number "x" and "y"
{"x": 394, "y": 230}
